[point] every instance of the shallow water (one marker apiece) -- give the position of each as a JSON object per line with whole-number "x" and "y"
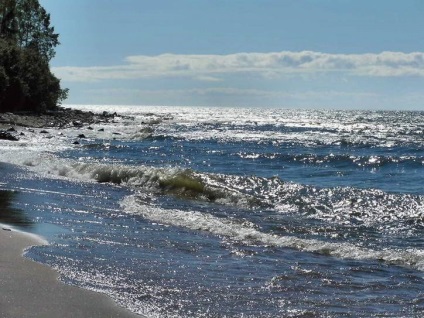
{"x": 214, "y": 212}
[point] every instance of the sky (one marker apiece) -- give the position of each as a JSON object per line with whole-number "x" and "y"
{"x": 338, "y": 54}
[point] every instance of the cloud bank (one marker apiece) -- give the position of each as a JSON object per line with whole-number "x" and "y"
{"x": 274, "y": 64}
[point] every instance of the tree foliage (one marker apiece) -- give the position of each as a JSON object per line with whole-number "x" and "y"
{"x": 34, "y": 30}
{"x": 27, "y": 44}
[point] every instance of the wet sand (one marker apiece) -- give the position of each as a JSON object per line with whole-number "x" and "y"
{"x": 29, "y": 289}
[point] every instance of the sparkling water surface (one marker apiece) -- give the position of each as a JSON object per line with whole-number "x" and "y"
{"x": 219, "y": 212}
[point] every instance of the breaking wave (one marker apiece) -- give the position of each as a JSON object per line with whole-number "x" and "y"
{"x": 246, "y": 233}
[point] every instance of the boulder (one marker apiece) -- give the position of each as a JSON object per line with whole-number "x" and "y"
{"x": 5, "y": 135}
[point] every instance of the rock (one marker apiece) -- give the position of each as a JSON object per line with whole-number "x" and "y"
{"x": 77, "y": 123}
{"x": 147, "y": 130}
{"x": 108, "y": 115}
{"x": 4, "y": 135}
{"x": 81, "y": 136}
{"x": 76, "y": 143}
{"x": 101, "y": 129}
{"x": 90, "y": 128}
{"x": 11, "y": 129}
{"x": 44, "y": 132}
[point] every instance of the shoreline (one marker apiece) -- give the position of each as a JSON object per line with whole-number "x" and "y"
{"x": 30, "y": 289}
{"x": 61, "y": 118}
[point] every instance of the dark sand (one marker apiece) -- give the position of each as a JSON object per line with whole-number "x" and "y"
{"x": 29, "y": 289}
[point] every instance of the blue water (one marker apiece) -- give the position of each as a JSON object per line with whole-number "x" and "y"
{"x": 215, "y": 212}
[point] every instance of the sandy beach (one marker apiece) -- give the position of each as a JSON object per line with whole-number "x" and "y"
{"x": 29, "y": 289}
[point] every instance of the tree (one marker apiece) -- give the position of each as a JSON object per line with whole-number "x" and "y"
{"x": 14, "y": 90}
{"x": 8, "y": 22}
{"x": 27, "y": 43}
{"x": 34, "y": 30}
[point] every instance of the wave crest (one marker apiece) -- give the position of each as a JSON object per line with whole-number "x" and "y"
{"x": 246, "y": 233}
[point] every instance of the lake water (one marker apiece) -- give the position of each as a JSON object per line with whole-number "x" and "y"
{"x": 229, "y": 212}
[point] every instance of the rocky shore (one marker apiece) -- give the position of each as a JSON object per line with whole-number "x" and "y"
{"x": 62, "y": 118}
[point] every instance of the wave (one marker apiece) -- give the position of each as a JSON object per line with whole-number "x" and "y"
{"x": 183, "y": 183}
{"x": 337, "y": 159}
{"x": 176, "y": 181}
{"x": 342, "y": 205}
{"x": 246, "y": 233}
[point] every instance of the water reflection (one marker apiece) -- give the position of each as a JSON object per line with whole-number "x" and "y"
{"x": 11, "y": 215}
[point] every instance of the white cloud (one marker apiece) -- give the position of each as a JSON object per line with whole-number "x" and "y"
{"x": 212, "y": 67}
